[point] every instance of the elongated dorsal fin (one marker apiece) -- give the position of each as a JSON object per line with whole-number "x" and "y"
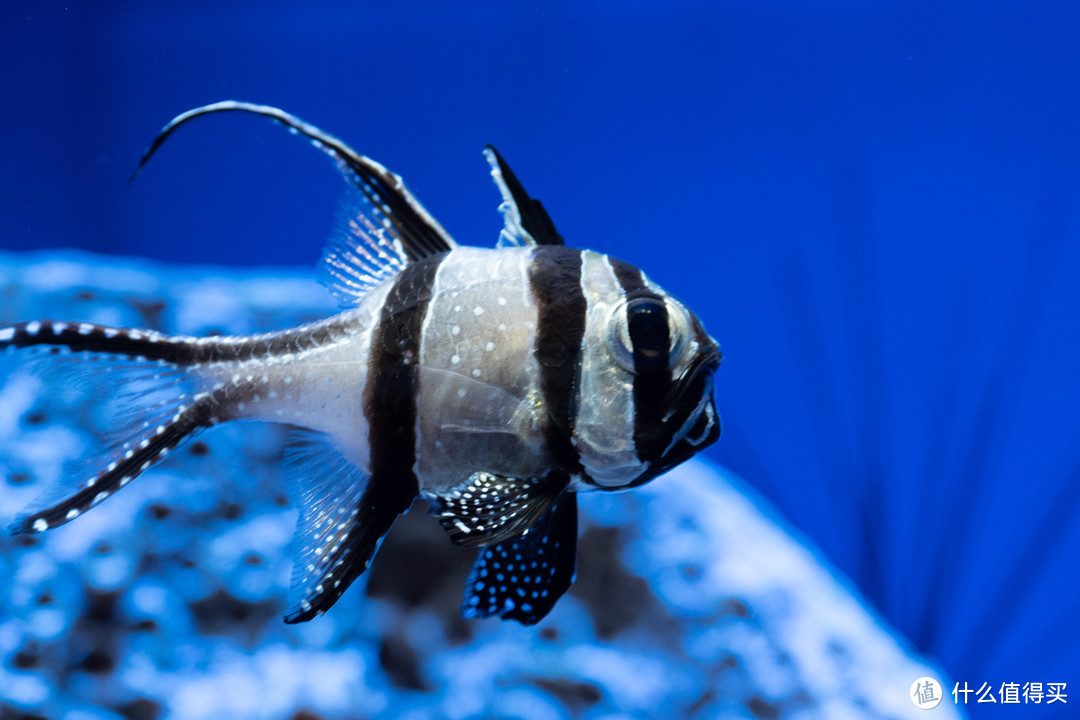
{"x": 526, "y": 220}
{"x": 360, "y": 254}
{"x": 392, "y": 206}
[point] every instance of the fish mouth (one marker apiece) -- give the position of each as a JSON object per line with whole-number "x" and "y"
{"x": 693, "y": 428}
{"x": 706, "y": 362}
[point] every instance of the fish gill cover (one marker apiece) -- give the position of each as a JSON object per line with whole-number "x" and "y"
{"x": 872, "y": 208}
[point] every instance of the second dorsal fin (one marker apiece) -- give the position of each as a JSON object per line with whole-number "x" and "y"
{"x": 391, "y": 208}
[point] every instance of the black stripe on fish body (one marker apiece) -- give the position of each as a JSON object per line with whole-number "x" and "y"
{"x": 652, "y": 375}
{"x": 555, "y": 283}
{"x": 390, "y": 396}
{"x": 523, "y": 577}
{"x": 389, "y": 403}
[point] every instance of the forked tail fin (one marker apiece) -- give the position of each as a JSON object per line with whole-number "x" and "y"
{"x": 144, "y": 378}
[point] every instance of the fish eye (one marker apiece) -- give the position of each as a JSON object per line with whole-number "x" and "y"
{"x": 647, "y": 334}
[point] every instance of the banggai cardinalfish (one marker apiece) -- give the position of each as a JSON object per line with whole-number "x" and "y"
{"x": 495, "y": 383}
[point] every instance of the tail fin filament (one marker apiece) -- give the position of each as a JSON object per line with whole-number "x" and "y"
{"x": 132, "y": 459}
{"x": 91, "y": 338}
{"x": 158, "y": 403}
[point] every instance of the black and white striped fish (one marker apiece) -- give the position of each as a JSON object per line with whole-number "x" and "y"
{"x": 496, "y": 383}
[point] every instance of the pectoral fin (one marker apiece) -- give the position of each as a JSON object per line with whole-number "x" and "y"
{"x": 488, "y": 508}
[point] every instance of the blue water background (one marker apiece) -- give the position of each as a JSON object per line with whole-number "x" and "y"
{"x": 872, "y": 206}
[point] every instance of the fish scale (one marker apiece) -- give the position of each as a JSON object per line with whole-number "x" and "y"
{"x": 496, "y": 383}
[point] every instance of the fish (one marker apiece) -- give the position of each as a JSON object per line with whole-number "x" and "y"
{"x": 494, "y": 383}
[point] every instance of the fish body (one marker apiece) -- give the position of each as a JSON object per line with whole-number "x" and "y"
{"x": 495, "y": 383}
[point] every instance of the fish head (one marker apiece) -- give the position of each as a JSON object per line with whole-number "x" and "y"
{"x": 658, "y": 355}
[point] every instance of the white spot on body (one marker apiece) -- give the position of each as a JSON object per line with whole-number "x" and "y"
{"x": 455, "y": 359}
{"x": 476, "y": 372}
{"x": 478, "y": 311}
{"x": 58, "y": 327}
{"x": 7, "y": 334}
{"x": 40, "y": 525}
{"x": 455, "y": 330}
{"x": 85, "y": 328}
{"x": 32, "y": 328}
{"x": 72, "y": 513}
{"x": 490, "y": 346}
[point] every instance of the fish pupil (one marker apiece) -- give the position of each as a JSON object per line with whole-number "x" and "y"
{"x": 647, "y": 323}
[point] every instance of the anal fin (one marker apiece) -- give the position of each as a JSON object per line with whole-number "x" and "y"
{"x": 522, "y": 578}
{"x": 489, "y": 508}
{"x": 344, "y": 515}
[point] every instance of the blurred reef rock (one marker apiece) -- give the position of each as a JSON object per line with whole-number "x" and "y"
{"x": 691, "y": 601}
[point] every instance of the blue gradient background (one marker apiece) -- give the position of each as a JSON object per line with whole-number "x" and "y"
{"x": 872, "y": 206}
